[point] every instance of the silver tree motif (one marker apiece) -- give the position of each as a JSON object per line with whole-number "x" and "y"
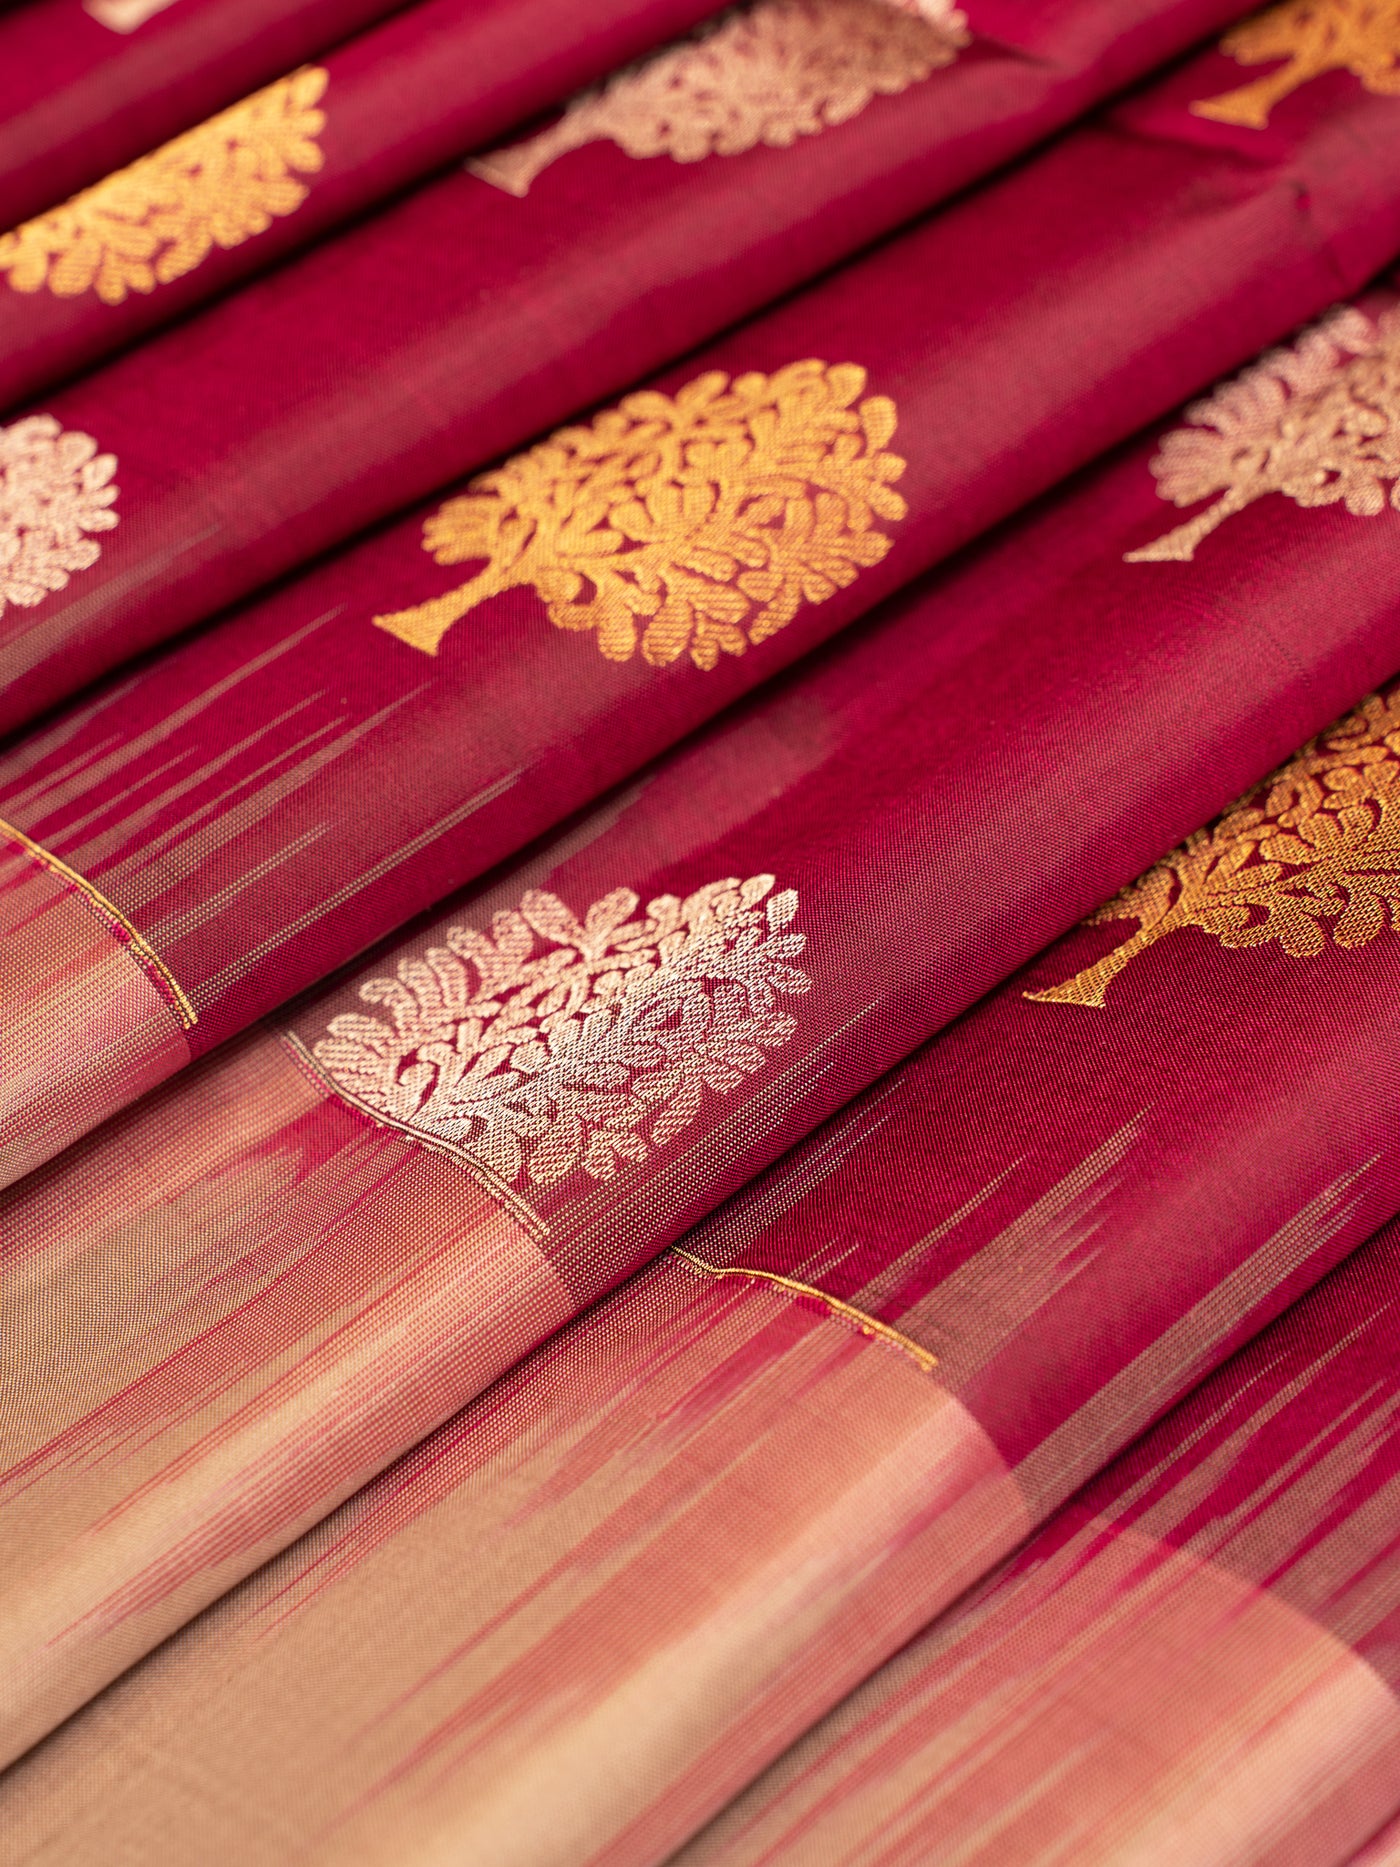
{"x": 591, "y": 1048}
{"x": 769, "y": 72}
{"x": 1318, "y": 421}
{"x": 55, "y": 489}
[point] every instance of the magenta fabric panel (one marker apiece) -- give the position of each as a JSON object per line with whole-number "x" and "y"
{"x": 480, "y": 1130}
{"x": 713, "y": 1475}
{"x": 1196, "y": 1658}
{"x": 80, "y": 96}
{"x": 243, "y": 448}
{"x": 1081, "y": 1206}
{"x": 392, "y": 104}
{"x": 215, "y": 799}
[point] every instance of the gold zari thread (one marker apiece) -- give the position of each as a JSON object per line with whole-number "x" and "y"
{"x": 700, "y": 522}
{"x": 140, "y": 947}
{"x": 867, "y": 1324}
{"x": 146, "y": 225}
{"x": 1312, "y": 852}
{"x": 1311, "y": 37}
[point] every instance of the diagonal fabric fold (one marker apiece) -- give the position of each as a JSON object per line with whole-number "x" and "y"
{"x": 84, "y": 88}
{"x": 454, "y": 326}
{"x": 1194, "y": 1659}
{"x": 572, "y": 1621}
{"x": 310, "y": 1250}
{"x": 635, "y": 575}
{"x": 275, "y": 170}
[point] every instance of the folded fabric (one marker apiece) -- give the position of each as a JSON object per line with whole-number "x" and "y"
{"x": 85, "y": 87}
{"x": 194, "y": 845}
{"x": 1164, "y": 248}
{"x": 272, "y": 171}
{"x": 569, "y": 1624}
{"x": 300, "y": 1257}
{"x": 1384, "y": 1850}
{"x": 1196, "y": 1661}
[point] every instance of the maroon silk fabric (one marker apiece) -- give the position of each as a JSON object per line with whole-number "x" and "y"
{"x": 944, "y": 794}
{"x": 1074, "y": 1258}
{"x": 1197, "y": 1659}
{"x": 78, "y": 98}
{"x": 216, "y": 798}
{"x": 424, "y": 87}
{"x": 243, "y": 449}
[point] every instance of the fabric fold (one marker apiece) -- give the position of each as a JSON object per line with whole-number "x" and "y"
{"x": 487, "y": 670}
{"x": 85, "y": 87}
{"x": 623, "y": 1578}
{"x": 239, "y": 452}
{"x": 279, "y": 168}
{"x": 1194, "y": 1660}
{"x": 330, "y": 1237}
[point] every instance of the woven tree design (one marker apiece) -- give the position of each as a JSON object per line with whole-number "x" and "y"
{"x": 1311, "y": 37}
{"x": 766, "y": 73}
{"x": 217, "y": 185}
{"x": 550, "y": 1043}
{"x": 55, "y": 491}
{"x": 1310, "y": 855}
{"x": 1318, "y": 421}
{"x": 701, "y": 522}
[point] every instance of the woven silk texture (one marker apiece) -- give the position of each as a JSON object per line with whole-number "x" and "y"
{"x": 481, "y": 671}
{"x": 629, "y": 1574}
{"x": 273, "y": 170}
{"x": 84, "y": 87}
{"x": 304, "y": 1253}
{"x": 1196, "y": 1658}
{"x": 469, "y": 318}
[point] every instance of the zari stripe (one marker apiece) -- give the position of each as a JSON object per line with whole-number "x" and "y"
{"x": 868, "y": 1325}
{"x": 132, "y": 937}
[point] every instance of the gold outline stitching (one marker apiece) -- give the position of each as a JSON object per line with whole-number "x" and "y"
{"x": 141, "y": 948}
{"x": 868, "y": 1325}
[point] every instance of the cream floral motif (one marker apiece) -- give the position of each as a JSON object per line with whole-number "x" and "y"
{"x": 1318, "y": 421}
{"x": 55, "y": 489}
{"x": 550, "y": 1044}
{"x": 125, "y": 15}
{"x": 699, "y": 523}
{"x": 765, "y": 73}
{"x": 1311, "y": 854}
{"x": 216, "y": 186}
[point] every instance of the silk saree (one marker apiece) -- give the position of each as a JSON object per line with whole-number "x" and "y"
{"x": 815, "y": 1096}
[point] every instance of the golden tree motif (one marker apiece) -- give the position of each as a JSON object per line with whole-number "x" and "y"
{"x": 1311, "y": 36}
{"x": 549, "y": 1044}
{"x": 1318, "y": 421}
{"x": 217, "y": 185}
{"x": 1311, "y": 854}
{"x": 765, "y": 73}
{"x": 699, "y": 522}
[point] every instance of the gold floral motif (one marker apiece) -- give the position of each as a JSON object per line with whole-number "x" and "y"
{"x": 217, "y": 185}
{"x": 700, "y": 522}
{"x": 1318, "y": 421}
{"x": 765, "y": 73}
{"x": 551, "y": 1044}
{"x": 1311, "y": 36}
{"x": 1311, "y": 853}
